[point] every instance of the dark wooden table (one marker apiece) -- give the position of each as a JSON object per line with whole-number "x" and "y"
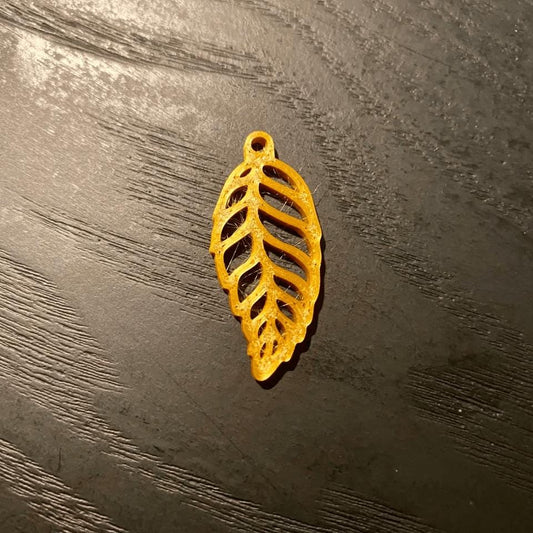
{"x": 126, "y": 397}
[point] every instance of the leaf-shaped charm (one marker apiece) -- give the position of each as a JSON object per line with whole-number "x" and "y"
{"x": 266, "y": 247}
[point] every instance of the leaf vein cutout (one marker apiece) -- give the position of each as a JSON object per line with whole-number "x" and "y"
{"x": 266, "y": 247}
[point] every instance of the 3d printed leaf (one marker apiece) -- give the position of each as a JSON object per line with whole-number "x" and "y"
{"x": 266, "y": 246}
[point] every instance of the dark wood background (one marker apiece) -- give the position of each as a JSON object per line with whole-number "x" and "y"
{"x": 126, "y": 397}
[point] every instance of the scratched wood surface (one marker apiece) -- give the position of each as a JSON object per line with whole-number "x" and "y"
{"x": 126, "y": 399}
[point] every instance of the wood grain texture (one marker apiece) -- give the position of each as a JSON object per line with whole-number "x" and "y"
{"x": 487, "y": 412}
{"x": 135, "y": 260}
{"x": 48, "y": 496}
{"x": 346, "y": 511}
{"x": 126, "y": 399}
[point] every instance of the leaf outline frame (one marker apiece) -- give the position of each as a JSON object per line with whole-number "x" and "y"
{"x": 250, "y": 174}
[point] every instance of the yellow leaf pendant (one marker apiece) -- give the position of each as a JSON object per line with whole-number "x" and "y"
{"x": 266, "y": 247}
